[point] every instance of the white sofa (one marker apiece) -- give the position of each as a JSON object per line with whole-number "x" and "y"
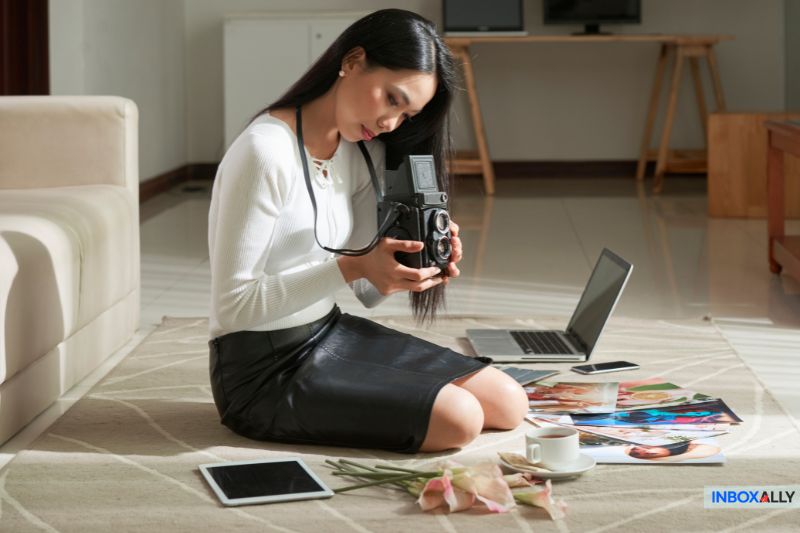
{"x": 69, "y": 244}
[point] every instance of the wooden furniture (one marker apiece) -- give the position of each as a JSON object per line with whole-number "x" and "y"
{"x": 285, "y": 45}
{"x": 681, "y": 47}
{"x": 784, "y": 250}
{"x": 737, "y": 166}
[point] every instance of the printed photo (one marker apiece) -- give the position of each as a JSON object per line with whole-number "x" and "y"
{"x": 569, "y": 397}
{"x": 548, "y": 420}
{"x": 655, "y": 392}
{"x": 584, "y": 438}
{"x": 713, "y": 412}
{"x": 591, "y": 439}
{"x": 722, "y": 428}
{"x": 654, "y": 436}
{"x": 705, "y": 451}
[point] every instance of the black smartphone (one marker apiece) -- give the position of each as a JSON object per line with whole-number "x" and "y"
{"x": 601, "y": 368}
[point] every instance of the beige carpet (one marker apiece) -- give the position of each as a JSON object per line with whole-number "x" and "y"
{"x": 124, "y": 457}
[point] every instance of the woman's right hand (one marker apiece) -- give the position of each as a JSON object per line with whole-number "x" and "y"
{"x": 384, "y": 272}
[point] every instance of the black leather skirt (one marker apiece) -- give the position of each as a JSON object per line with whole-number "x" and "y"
{"x": 341, "y": 380}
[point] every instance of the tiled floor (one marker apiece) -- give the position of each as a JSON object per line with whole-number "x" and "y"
{"x": 529, "y": 250}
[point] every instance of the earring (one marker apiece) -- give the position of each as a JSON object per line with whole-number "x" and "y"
{"x": 341, "y": 73}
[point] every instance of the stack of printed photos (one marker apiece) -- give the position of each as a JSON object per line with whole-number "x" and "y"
{"x": 646, "y": 421}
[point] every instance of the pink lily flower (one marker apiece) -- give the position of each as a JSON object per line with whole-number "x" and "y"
{"x": 486, "y": 483}
{"x": 520, "y": 479}
{"x": 542, "y": 496}
{"x": 439, "y": 490}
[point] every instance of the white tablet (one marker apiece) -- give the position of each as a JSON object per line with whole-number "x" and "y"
{"x": 264, "y": 481}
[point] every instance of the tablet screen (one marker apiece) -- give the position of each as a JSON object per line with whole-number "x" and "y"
{"x": 265, "y": 481}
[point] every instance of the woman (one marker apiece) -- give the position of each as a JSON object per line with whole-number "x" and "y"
{"x": 673, "y": 453}
{"x": 286, "y": 365}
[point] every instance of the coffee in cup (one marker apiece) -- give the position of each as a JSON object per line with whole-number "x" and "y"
{"x": 552, "y": 448}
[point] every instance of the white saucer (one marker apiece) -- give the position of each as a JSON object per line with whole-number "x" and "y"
{"x": 583, "y": 464}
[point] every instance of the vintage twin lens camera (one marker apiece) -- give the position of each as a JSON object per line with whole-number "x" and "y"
{"x": 413, "y": 192}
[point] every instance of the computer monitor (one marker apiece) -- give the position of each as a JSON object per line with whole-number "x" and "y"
{"x": 471, "y": 16}
{"x": 592, "y": 13}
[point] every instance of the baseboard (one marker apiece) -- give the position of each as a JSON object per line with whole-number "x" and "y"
{"x": 164, "y": 182}
{"x": 502, "y": 169}
{"x": 625, "y": 168}
{"x": 565, "y": 169}
{"x": 202, "y": 171}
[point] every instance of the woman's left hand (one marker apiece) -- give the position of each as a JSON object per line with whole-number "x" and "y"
{"x": 457, "y": 252}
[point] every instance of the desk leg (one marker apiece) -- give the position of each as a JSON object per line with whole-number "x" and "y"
{"x": 652, "y": 111}
{"x": 477, "y": 120}
{"x": 775, "y": 207}
{"x": 701, "y": 99}
{"x": 661, "y": 162}
{"x": 715, "y": 79}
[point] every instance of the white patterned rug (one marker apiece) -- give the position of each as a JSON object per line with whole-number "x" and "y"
{"x": 125, "y": 457}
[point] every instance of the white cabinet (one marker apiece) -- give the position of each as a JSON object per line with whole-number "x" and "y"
{"x": 265, "y": 53}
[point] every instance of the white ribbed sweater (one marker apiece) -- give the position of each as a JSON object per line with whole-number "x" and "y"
{"x": 267, "y": 271}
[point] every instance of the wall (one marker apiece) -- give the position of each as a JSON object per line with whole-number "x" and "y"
{"x": 204, "y": 22}
{"x": 67, "y": 56}
{"x": 588, "y": 101}
{"x": 792, "y": 29}
{"x": 541, "y": 101}
{"x": 130, "y": 48}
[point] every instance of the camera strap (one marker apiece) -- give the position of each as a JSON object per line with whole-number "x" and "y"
{"x": 391, "y": 217}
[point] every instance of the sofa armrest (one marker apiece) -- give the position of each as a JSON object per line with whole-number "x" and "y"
{"x": 7, "y": 274}
{"x": 58, "y": 141}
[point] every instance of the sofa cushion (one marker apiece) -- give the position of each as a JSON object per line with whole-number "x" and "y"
{"x": 74, "y": 253}
{"x": 53, "y": 141}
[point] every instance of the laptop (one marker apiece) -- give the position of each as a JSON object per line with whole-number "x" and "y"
{"x": 597, "y": 302}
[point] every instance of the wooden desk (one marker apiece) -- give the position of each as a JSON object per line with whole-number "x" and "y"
{"x": 680, "y": 47}
{"x": 784, "y": 250}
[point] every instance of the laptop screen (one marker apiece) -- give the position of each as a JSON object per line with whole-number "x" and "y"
{"x": 598, "y": 300}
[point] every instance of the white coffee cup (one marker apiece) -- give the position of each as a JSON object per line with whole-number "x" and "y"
{"x": 552, "y": 448}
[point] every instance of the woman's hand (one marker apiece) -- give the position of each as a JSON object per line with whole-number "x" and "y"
{"x": 387, "y": 275}
{"x": 457, "y": 251}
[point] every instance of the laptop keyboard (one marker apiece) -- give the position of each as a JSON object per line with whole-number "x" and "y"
{"x": 545, "y": 342}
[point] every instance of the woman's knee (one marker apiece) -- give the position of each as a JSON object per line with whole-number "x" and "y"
{"x": 503, "y": 400}
{"x": 456, "y": 419}
{"x": 512, "y": 405}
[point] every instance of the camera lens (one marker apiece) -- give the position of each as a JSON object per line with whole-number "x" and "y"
{"x": 443, "y": 249}
{"x": 442, "y": 221}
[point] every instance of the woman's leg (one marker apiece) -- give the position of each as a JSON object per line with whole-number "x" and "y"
{"x": 486, "y": 399}
{"x": 502, "y": 399}
{"x": 456, "y": 419}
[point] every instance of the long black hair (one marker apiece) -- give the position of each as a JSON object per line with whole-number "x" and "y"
{"x": 399, "y": 40}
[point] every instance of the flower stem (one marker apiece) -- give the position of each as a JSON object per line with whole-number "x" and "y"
{"x": 370, "y": 475}
{"x": 341, "y": 467}
{"x": 357, "y": 465}
{"x": 398, "y": 469}
{"x": 393, "y": 479}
